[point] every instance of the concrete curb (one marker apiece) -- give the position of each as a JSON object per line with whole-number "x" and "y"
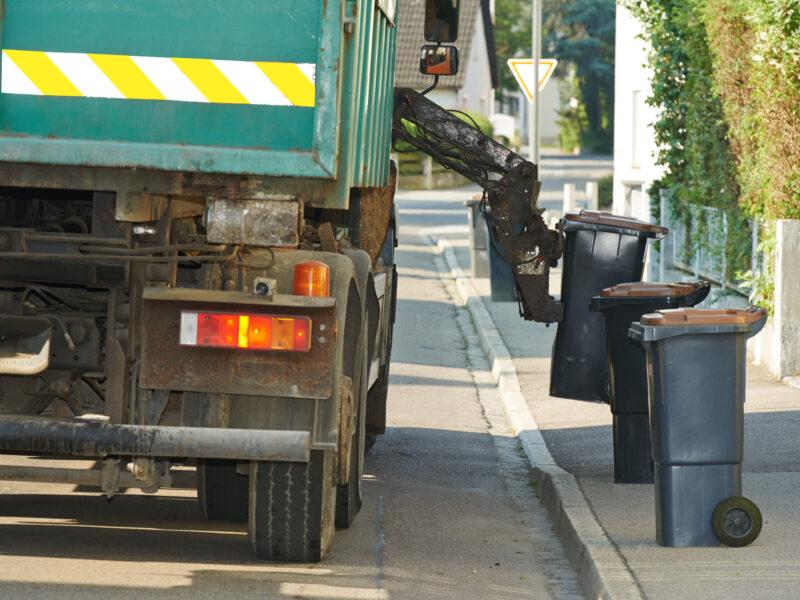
{"x": 602, "y": 570}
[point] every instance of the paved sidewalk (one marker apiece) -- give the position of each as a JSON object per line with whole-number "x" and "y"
{"x": 578, "y": 435}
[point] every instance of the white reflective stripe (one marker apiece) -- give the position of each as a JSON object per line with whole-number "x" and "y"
{"x": 252, "y": 83}
{"x": 189, "y": 329}
{"x": 85, "y": 75}
{"x": 309, "y": 71}
{"x": 169, "y": 79}
{"x": 15, "y": 81}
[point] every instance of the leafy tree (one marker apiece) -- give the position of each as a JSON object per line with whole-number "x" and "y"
{"x": 512, "y": 30}
{"x": 580, "y": 34}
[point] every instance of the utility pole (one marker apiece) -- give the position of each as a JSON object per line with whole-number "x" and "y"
{"x": 534, "y": 112}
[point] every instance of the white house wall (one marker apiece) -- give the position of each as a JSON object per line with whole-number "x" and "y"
{"x": 445, "y": 97}
{"x": 634, "y": 139}
{"x": 548, "y": 117}
{"x": 477, "y": 93}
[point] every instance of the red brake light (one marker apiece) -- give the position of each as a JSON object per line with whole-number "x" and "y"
{"x": 249, "y": 332}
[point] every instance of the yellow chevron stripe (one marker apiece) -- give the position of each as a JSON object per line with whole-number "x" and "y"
{"x": 290, "y": 80}
{"x": 127, "y": 76}
{"x": 44, "y": 74}
{"x": 210, "y": 81}
{"x": 156, "y": 78}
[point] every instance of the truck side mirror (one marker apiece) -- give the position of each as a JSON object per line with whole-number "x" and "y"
{"x": 438, "y": 60}
{"x": 441, "y": 21}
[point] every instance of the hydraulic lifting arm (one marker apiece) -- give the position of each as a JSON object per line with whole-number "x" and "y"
{"x": 511, "y": 188}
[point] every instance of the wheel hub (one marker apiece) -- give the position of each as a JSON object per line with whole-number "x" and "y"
{"x": 738, "y": 523}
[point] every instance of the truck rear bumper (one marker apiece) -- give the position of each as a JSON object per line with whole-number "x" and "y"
{"x": 98, "y": 438}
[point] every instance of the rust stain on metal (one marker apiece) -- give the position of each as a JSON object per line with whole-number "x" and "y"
{"x": 257, "y": 222}
{"x": 326, "y": 238}
{"x": 375, "y": 215}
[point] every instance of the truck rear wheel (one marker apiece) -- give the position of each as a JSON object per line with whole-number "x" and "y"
{"x": 221, "y": 491}
{"x": 291, "y": 513}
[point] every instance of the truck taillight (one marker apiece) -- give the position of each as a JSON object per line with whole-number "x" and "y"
{"x": 247, "y": 332}
{"x": 312, "y": 278}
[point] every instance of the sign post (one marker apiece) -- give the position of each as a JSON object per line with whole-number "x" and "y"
{"x": 535, "y": 132}
{"x": 527, "y": 77}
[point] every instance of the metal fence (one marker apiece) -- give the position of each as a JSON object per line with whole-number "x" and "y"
{"x": 698, "y": 242}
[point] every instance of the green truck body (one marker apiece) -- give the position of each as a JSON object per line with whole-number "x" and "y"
{"x": 234, "y": 77}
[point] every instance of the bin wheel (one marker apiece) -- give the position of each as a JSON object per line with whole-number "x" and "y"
{"x": 736, "y": 521}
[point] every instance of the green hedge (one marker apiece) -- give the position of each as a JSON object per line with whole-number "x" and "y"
{"x": 692, "y": 133}
{"x": 755, "y": 46}
{"x": 727, "y": 85}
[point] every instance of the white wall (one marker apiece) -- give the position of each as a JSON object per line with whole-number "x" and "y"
{"x": 548, "y": 119}
{"x": 446, "y": 98}
{"x": 634, "y": 141}
{"x": 778, "y": 346}
{"x": 477, "y": 93}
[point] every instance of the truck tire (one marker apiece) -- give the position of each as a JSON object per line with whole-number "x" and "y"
{"x": 291, "y": 510}
{"x": 348, "y": 496}
{"x": 221, "y": 491}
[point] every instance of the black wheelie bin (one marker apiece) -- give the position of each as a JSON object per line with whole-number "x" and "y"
{"x": 696, "y": 385}
{"x": 600, "y": 250}
{"x": 622, "y": 305}
{"x": 502, "y": 284}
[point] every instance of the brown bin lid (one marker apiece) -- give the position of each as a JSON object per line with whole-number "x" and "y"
{"x": 700, "y": 316}
{"x": 641, "y": 289}
{"x": 605, "y": 218}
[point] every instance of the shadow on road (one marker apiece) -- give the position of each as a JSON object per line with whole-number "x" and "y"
{"x": 163, "y": 538}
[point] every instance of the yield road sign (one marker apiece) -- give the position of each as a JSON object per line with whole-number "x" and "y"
{"x": 523, "y": 71}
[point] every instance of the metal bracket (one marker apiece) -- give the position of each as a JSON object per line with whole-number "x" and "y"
{"x": 109, "y": 482}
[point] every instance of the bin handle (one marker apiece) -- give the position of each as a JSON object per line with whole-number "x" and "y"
{"x": 758, "y": 325}
{"x": 701, "y": 293}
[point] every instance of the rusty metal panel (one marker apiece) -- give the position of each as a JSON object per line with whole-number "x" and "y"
{"x": 139, "y": 208}
{"x": 168, "y": 365}
{"x": 273, "y": 222}
{"x": 374, "y": 216}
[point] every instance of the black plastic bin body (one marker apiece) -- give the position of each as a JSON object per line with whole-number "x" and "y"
{"x": 696, "y": 385}
{"x": 621, "y": 306}
{"x": 501, "y": 275}
{"x": 601, "y": 250}
{"x": 502, "y": 284}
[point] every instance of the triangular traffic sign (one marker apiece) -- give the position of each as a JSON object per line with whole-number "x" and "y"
{"x": 523, "y": 71}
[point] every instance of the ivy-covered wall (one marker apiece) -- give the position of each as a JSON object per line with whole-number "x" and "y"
{"x": 727, "y": 86}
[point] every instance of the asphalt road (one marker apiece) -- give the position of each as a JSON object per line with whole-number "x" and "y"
{"x": 449, "y": 509}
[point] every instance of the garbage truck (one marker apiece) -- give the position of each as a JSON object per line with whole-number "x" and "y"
{"x": 197, "y": 235}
